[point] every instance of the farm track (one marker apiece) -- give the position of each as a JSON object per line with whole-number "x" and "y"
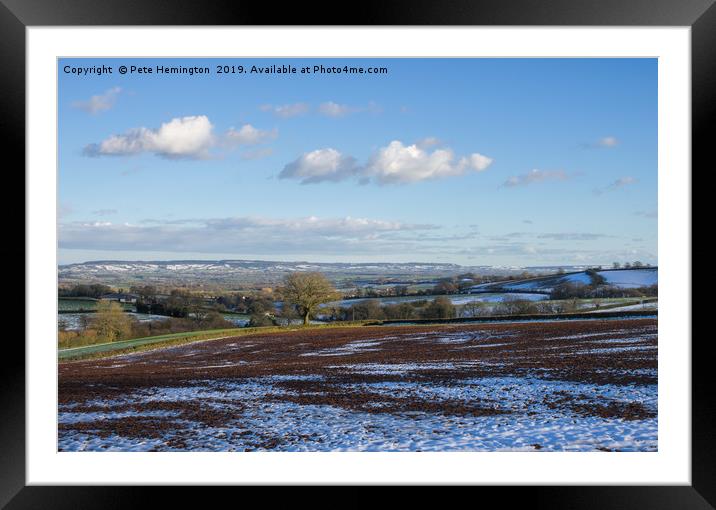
{"x": 164, "y": 399}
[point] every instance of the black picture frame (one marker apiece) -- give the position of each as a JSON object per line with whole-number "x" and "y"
{"x": 700, "y": 15}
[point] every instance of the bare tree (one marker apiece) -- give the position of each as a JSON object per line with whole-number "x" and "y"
{"x": 440, "y": 308}
{"x": 306, "y": 291}
{"x": 110, "y": 321}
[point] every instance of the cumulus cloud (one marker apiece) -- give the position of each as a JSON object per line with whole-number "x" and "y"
{"x": 243, "y": 235}
{"x": 184, "y": 137}
{"x": 181, "y": 138}
{"x": 100, "y": 102}
{"x": 249, "y": 135}
{"x": 616, "y": 185}
{"x": 320, "y": 165}
{"x": 428, "y": 142}
{"x": 398, "y": 163}
{"x": 535, "y": 176}
{"x": 287, "y": 110}
{"x": 395, "y": 163}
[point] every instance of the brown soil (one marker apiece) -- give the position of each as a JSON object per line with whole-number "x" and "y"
{"x": 548, "y": 350}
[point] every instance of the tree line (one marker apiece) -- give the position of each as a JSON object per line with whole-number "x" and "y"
{"x": 110, "y": 323}
{"x": 94, "y": 290}
{"x": 302, "y": 296}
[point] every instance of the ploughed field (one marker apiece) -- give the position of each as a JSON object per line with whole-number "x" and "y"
{"x": 536, "y": 386}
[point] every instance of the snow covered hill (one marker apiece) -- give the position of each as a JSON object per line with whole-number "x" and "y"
{"x": 622, "y": 278}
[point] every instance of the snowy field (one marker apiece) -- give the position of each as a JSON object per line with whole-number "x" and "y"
{"x": 632, "y": 278}
{"x": 456, "y": 299}
{"x": 73, "y": 321}
{"x": 577, "y": 386}
{"x": 622, "y": 278}
{"x": 536, "y": 427}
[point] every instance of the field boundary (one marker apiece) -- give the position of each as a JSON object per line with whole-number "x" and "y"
{"x": 517, "y": 318}
{"x": 141, "y": 344}
{"x": 136, "y": 344}
{"x": 146, "y": 343}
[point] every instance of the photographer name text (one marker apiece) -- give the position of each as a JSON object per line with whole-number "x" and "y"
{"x": 224, "y": 69}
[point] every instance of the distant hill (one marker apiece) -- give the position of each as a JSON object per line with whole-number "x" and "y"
{"x": 622, "y": 278}
{"x": 246, "y": 271}
{"x": 266, "y": 272}
{"x": 245, "y": 266}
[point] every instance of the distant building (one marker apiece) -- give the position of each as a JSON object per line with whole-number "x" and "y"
{"x": 122, "y": 297}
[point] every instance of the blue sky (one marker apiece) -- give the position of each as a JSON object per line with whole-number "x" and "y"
{"x": 473, "y": 161}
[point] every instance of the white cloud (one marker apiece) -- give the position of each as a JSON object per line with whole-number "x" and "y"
{"x": 286, "y": 110}
{"x": 185, "y": 137}
{"x": 398, "y": 163}
{"x": 478, "y": 162}
{"x": 100, "y": 102}
{"x": 338, "y": 227}
{"x": 243, "y": 235}
{"x": 249, "y": 135}
{"x": 320, "y": 165}
{"x": 394, "y": 164}
{"x": 535, "y": 176}
{"x": 332, "y": 109}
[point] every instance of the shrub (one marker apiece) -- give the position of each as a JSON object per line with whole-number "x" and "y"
{"x": 260, "y": 320}
{"x": 440, "y": 308}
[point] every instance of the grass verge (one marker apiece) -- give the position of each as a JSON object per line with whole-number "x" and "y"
{"x": 174, "y": 339}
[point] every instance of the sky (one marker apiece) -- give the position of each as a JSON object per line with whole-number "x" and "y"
{"x": 501, "y": 162}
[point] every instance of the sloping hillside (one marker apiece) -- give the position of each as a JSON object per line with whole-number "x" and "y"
{"x": 621, "y": 278}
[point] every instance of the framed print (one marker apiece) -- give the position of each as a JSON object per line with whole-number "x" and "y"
{"x": 422, "y": 247}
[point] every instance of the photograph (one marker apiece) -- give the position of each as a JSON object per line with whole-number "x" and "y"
{"x": 357, "y": 254}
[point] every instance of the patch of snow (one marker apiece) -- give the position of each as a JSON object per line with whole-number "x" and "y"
{"x": 631, "y": 278}
{"x": 344, "y": 350}
{"x": 531, "y": 426}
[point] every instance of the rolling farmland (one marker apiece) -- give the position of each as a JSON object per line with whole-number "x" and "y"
{"x": 539, "y": 386}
